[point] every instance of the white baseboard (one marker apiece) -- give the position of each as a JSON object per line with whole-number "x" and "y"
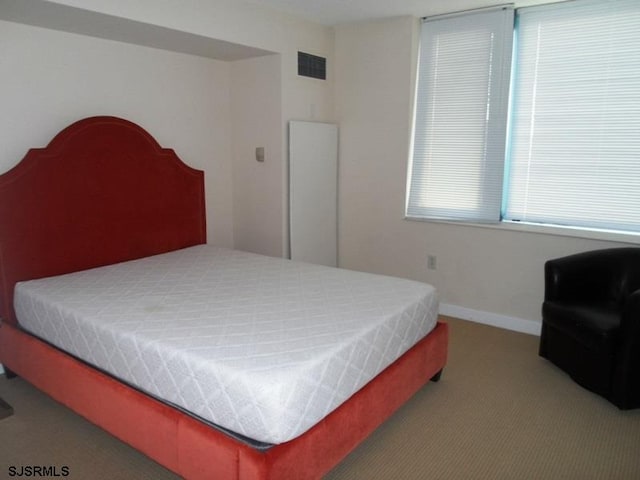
{"x": 494, "y": 319}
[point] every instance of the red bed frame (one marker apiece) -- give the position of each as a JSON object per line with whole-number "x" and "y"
{"x": 103, "y": 191}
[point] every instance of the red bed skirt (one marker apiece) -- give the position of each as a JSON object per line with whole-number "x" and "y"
{"x": 196, "y": 451}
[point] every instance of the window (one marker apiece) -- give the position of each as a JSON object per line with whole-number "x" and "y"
{"x": 572, "y": 155}
{"x": 461, "y": 110}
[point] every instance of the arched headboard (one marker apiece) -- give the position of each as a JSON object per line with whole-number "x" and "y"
{"x": 103, "y": 191}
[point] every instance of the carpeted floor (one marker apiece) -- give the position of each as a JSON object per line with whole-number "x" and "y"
{"x": 499, "y": 412}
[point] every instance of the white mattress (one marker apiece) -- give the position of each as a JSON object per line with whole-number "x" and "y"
{"x": 262, "y": 346}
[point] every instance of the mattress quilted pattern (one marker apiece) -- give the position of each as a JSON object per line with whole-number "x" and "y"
{"x": 262, "y": 346}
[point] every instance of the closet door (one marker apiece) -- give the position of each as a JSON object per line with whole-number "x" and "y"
{"x": 313, "y": 192}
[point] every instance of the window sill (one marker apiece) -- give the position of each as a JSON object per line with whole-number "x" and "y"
{"x": 557, "y": 230}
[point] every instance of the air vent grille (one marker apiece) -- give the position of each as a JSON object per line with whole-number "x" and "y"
{"x": 312, "y": 66}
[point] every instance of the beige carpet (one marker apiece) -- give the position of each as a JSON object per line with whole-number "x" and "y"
{"x": 499, "y": 412}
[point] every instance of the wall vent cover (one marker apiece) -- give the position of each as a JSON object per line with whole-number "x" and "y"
{"x": 312, "y": 66}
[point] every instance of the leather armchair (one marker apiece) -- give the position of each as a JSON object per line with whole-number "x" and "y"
{"x": 591, "y": 321}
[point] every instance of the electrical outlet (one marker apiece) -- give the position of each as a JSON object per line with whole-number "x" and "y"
{"x": 431, "y": 262}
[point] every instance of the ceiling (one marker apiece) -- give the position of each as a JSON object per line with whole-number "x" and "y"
{"x": 336, "y": 12}
{"x": 86, "y": 22}
{"x": 59, "y": 16}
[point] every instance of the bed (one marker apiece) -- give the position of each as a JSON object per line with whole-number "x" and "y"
{"x": 103, "y": 196}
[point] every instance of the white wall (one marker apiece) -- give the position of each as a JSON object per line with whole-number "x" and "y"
{"x": 51, "y": 79}
{"x": 486, "y": 274}
{"x": 256, "y": 122}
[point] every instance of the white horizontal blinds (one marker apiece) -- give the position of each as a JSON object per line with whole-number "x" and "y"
{"x": 575, "y": 150}
{"x": 459, "y": 129}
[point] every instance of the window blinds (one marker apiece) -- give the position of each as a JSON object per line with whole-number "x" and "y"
{"x": 575, "y": 148}
{"x": 456, "y": 172}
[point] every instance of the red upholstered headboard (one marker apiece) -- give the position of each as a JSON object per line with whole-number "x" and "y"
{"x": 103, "y": 191}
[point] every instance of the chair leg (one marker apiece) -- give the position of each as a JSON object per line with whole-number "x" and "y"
{"x": 10, "y": 373}
{"x": 542, "y": 347}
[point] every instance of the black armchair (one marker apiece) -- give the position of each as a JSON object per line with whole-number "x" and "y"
{"x": 591, "y": 321}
